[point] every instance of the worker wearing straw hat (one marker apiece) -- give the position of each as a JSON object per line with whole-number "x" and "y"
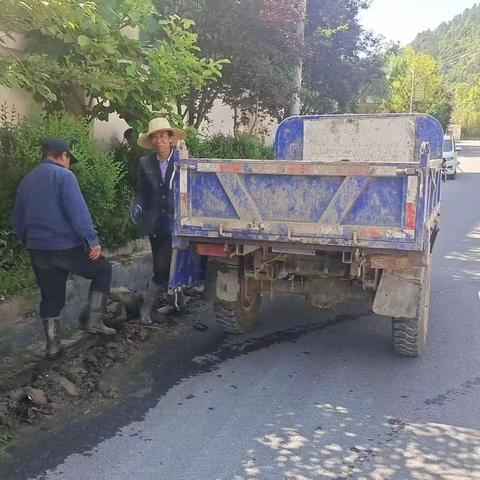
{"x": 155, "y": 204}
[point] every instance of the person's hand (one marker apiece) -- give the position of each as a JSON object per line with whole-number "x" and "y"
{"x": 135, "y": 212}
{"x": 95, "y": 252}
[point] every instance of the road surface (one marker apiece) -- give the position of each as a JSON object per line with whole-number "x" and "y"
{"x": 297, "y": 401}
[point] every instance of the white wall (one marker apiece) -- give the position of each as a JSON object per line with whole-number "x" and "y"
{"x": 106, "y": 132}
{"x": 221, "y": 121}
{"x": 21, "y": 101}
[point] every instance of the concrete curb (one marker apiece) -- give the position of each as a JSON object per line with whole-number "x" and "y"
{"x": 20, "y": 331}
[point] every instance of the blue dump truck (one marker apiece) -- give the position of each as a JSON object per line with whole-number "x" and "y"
{"x": 348, "y": 209}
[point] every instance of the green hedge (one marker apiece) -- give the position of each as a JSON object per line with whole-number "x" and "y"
{"x": 216, "y": 146}
{"x": 244, "y": 145}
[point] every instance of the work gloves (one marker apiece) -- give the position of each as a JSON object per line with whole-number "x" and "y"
{"x": 135, "y": 213}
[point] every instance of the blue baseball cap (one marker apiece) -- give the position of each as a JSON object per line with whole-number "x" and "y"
{"x": 58, "y": 146}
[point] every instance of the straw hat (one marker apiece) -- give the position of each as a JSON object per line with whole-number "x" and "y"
{"x": 160, "y": 125}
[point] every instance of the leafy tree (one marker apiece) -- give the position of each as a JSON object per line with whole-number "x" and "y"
{"x": 430, "y": 91}
{"x": 467, "y": 108}
{"x": 78, "y": 55}
{"x": 257, "y": 37}
{"x": 456, "y": 47}
{"x": 374, "y": 92}
{"x": 342, "y": 59}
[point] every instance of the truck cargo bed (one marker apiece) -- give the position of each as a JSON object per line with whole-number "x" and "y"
{"x": 330, "y": 194}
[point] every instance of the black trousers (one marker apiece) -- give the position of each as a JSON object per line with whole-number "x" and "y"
{"x": 162, "y": 258}
{"x": 51, "y": 270}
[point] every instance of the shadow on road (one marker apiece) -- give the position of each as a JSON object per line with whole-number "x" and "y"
{"x": 423, "y": 451}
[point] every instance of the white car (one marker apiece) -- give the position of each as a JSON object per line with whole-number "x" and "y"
{"x": 450, "y": 156}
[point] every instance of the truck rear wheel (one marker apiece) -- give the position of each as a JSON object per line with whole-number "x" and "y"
{"x": 240, "y": 316}
{"x": 410, "y": 334}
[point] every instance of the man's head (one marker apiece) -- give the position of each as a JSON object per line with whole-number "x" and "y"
{"x": 161, "y": 136}
{"x": 58, "y": 151}
{"x": 162, "y": 142}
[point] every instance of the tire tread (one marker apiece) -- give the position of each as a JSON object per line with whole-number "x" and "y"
{"x": 232, "y": 318}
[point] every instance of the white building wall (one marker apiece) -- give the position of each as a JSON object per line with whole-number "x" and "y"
{"x": 19, "y": 100}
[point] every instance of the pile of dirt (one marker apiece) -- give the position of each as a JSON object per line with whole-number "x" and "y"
{"x": 67, "y": 382}
{"x": 56, "y": 388}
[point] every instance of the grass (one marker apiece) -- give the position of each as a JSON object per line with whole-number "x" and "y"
{"x": 17, "y": 280}
{"x": 6, "y": 441}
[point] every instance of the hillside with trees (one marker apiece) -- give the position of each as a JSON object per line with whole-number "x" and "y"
{"x": 456, "y": 47}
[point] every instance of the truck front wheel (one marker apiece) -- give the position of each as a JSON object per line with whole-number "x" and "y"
{"x": 410, "y": 334}
{"x": 241, "y": 315}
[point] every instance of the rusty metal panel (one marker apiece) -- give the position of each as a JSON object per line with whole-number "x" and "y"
{"x": 301, "y": 167}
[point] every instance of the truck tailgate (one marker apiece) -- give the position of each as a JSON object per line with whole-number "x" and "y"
{"x": 300, "y": 202}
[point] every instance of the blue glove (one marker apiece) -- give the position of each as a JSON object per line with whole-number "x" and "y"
{"x": 135, "y": 212}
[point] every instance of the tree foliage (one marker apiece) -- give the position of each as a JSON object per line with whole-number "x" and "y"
{"x": 258, "y": 39}
{"x": 82, "y": 56}
{"x": 409, "y": 68}
{"x": 456, "y": 47}
{"x": 342, "y": 59}
{"x": 177, "y": 63}
{"x": 467, "y": 108}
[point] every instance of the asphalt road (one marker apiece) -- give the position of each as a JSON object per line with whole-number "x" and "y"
{"x": 297, "y": 401}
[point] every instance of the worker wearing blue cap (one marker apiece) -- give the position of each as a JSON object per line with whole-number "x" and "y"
{"x": 52, "y": 221}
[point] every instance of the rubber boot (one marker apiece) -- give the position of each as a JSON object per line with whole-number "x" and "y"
{"x": 151, "y": 295}
{"x": 52, "y": 333}
{"x": 96, "y": 314}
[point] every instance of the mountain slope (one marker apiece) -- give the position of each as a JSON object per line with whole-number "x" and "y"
{"x": 456, "y": 45}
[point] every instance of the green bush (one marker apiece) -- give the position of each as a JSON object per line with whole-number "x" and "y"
{"x": 100, "y": 175}
{"x": 127, "y": 155}
{"x": 217, "y": 146}
{"x": 15, "y": 272}
{"x": 244, "y": 145}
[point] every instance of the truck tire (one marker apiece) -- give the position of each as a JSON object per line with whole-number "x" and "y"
{"x": 240, "y": 316}
{"x": 410, "y": 334}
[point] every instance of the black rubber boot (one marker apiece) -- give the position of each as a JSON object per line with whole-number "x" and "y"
{"x": 52, "y": 333}
{"x": 151, "y": 295}
{"x": 96, "y": 315}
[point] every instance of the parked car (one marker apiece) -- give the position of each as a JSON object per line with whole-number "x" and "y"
{"x": 450, "y": 156}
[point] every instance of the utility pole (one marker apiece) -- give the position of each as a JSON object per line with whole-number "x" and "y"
{"x": 413, "y": 90}
{"x": 294, "y": 107}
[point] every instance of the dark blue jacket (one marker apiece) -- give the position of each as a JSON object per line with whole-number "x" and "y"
{"x": 50, "y": 211}
{"x": 155, "y": 196}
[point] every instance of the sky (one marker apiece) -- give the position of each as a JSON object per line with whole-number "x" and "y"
{"x": 401, "y": 20}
